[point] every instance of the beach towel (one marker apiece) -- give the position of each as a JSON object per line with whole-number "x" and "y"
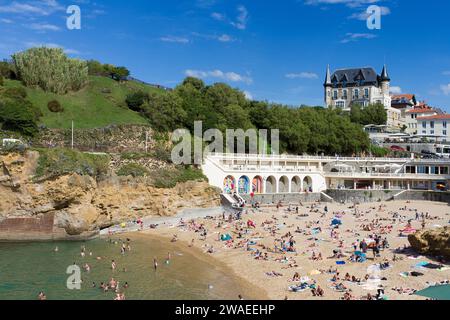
{"x": 340, "y": 262}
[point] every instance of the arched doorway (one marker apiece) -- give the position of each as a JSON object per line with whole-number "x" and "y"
{"x": 257, "y": 185}
{"x": 296, "y": 185}
{"x": 229, "y": 185}
{"x": 307, "y": 184}
{"x": 244, "y": 185}
{"x": 271, "y": 185}
{"x": 283, "y": 187}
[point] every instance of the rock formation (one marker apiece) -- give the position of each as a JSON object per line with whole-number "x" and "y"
{"x": 434, "y": 242}
{"x": 80, "y": 205}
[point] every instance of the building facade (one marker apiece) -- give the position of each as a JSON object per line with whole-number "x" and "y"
{"x": 363, "y": 86}
{"x": 245, "y": 174}
{"x": 437, "y": 125}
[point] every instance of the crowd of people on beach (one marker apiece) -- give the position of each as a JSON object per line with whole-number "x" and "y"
{"x": 370, "y": 247}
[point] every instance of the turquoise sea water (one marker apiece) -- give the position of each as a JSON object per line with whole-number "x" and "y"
{"x": 28, "y": 268}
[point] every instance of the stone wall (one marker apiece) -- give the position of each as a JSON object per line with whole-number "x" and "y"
{"x": 286, "y": 198}
{"x": 112, "y": 139}
{"x": 418, "y": 195}
{"x": 361, "y": 196}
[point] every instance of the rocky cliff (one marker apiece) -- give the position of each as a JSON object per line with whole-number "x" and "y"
{"x": 432, "y": 242}
{"x": 78, "y": 206}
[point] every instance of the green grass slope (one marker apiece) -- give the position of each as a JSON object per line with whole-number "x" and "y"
{"x": 99, "y": 104}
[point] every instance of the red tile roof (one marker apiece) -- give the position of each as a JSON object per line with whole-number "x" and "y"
{"x": 437, "y": 117}
{"x": 421, "y": 111}
{"x": 401, "y": 96}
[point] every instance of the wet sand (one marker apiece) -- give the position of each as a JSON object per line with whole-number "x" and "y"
{"x": 253, "y": 273}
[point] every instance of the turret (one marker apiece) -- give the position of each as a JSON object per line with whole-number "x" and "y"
{"x": 328, "y": 85}
{"x": 385, "y": 81}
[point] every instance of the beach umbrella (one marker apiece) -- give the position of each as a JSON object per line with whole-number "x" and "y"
{"x": 436, "y": 292}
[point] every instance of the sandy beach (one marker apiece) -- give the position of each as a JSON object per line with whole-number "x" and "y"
{"x": 254, "y": 252}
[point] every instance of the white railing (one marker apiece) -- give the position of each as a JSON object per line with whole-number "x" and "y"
{"x": 236, "y": 156}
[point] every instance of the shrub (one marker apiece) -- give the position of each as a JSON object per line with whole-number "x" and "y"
{"x": 51, "y": 70}
{"x": 136, "y": 100}
{"x": 2, "y": 82}
{"x": 134, "y": 170}
{"x": 58, "y": 162}
{"x": 55, "y": 106}
{"x": 15, "y": 92}
{"x": 18, "y": 114}
{"x": 7, "y": 70}
{"x": 169, "y": 178}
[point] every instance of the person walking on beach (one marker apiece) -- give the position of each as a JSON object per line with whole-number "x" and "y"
{"x": 113, "y": 265}
{"x": 155, "y": 264}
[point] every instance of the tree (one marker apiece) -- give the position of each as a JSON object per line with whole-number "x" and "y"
{"x": 165, "y": 112}
{"x": 136, "y": 100}
{"x": 18, "y": 114}
{"x": 120, "y": 73}
{"x": 7, "y": 70}
{"x": 51, "y": 70}
{"x": 374, "y": 114}
{"x": 1, "y": 81}
{"x": 356, "y": 113}
{"x": 198, "y": 84}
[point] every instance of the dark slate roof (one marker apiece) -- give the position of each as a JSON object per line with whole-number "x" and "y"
{"x": 366, "y": 75}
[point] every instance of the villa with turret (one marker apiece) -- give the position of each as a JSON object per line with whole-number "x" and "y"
{"x": 363, "y": 86}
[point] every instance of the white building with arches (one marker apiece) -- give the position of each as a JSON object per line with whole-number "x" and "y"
{"x": 245, "y": 174}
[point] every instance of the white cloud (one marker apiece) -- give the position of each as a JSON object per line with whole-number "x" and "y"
{"x": 218, "y": 74}
{"x": 302, "y": 75}
{"x": 225, "y": 38}
{"x": 248, "y": 95}
{"x": 173, "y": 39}
{"x": 218, "y": 16}
{"x": 44, "y": 27}
{"x": 396, "y": 90}
{"x": 221, "y": 38}
{"x": 364, "y": 15}
{"x": 8, "y": 21}
{"x": 445, "y": 88}
{"x": 242, "y": 19}
{"x": 42, "y": 7}
{"x": 446, "y": 73}
{"x": 348, "y": 3}
{"x": 352, "y": 37}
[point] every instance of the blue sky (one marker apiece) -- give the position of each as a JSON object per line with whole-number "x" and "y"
{"x": 272, "y": 50}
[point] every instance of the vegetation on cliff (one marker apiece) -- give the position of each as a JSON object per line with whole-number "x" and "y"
{"x": 58, "y": 162}
{"x": 105, "y": 97}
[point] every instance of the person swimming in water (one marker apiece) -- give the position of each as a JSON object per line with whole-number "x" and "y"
{"x": 113, "y": 265}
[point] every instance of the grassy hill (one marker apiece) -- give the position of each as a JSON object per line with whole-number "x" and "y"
{"x": 99, "y": 104}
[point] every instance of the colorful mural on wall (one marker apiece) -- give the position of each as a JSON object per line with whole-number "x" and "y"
{"x": 229, "y": 185}
{"x": 244, "y": 185}
{"x": 257, "y": 185}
